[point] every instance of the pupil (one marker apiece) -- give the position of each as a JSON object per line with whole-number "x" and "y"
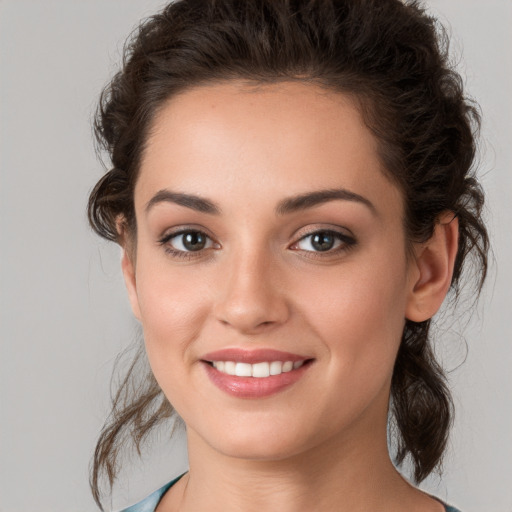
{"x": 323, "y": 241}
{"x": 194, "y": 241}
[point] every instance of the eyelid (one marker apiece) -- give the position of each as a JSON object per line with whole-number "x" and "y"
{"x": 329, "y": 228}
{"x": 185, "y": 228}
{"x": 165, "y": 239}
{"x": 347, "y": 241}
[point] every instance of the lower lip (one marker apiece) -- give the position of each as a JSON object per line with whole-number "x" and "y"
{"x": 254, "y": 387}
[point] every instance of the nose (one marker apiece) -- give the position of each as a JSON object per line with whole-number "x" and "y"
{"x": 252, "y": 296}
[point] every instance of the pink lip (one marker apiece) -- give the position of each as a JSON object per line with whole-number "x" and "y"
{"x": 252, "y": 356}
{"x": 252, "y": 387}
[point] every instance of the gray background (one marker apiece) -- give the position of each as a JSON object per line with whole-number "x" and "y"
{"x": 63, "y": 311}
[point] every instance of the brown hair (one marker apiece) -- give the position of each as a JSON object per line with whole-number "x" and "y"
{"x": 393, "y": 58}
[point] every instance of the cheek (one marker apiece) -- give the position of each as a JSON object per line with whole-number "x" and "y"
{"x": 358, "y": 312}
{"x": 173, "y": 308}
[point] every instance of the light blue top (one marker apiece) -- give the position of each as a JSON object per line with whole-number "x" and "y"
{"x": 149, "y": 504}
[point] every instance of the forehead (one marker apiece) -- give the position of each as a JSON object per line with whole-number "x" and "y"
{"x": 233, "y": 138}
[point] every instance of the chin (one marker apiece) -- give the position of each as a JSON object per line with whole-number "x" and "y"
{"x": 260, "y": 450}
{"x": 262, "y": 442}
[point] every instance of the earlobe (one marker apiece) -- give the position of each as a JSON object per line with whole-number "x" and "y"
{"x": 433, "y": 270}
{"x": 128, "y": 263}
{"x": 128, "y": 269}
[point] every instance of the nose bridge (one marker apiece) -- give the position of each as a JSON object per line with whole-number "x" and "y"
{"x": 252, "y": 295}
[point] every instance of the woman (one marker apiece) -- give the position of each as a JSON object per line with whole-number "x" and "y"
{"x": 291, "y": 185}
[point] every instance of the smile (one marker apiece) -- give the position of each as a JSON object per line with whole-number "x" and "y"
{"x": 256, "y": 373}
{"x": 257, "y": 370}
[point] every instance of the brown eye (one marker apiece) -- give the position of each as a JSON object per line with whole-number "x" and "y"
{"x": 187, "y": 241}
{"x": 193, "y": 241}
{"x": 324, "y": 241}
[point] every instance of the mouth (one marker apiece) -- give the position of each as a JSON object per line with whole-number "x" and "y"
{"x": 257, "y": 370}
{"x": 255, "y": 373}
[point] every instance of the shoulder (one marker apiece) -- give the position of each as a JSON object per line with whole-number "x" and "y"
{"x": 149, "y": 503}
{"x": 448, "y": 508}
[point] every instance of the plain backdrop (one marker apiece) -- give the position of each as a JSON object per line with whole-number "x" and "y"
{"x": 63, "y": 311}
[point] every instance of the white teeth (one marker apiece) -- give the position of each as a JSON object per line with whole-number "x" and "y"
{"x": 276, "y": 367}
{"x": 258, "y": 370}
{"x": 261, "y": 370}
{"x": 288, "y": 366}
{"x": 229, "y": 367}
{"x": 243, "y": 370}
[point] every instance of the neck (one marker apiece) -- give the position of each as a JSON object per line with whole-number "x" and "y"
{"x": 344, "y": 473}
{"x": 328, "y": 477}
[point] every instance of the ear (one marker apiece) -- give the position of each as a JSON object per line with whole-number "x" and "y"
{"x": 433, "y": 269}
{"x": 128, "y": 266}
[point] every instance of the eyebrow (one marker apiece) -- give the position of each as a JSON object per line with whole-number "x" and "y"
{"x": 310, "y": 199}
{"x": 191, "y": 201}
{"x": 286, "y": 206}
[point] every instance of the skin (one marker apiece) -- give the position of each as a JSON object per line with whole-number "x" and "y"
{"x": 320, "y": 444}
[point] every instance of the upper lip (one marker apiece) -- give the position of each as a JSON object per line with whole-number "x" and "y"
{"x": 240, "y": 355}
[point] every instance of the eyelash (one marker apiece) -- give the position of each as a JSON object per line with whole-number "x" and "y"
{"x": 347, "y": 243}
{"x": 177, "y": 253}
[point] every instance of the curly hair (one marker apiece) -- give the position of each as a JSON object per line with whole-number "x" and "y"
{"x": 389, "y": 55}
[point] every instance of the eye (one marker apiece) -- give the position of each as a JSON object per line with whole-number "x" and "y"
{"x": 189, "y": 241}
{"x": 324, "y": 241}
{"x": 186, "y": 242}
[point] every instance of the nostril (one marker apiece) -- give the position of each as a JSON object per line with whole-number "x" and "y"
{"x": 251, "y": 309}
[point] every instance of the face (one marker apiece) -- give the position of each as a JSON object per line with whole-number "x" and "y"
{"x": 268, "y": 237}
